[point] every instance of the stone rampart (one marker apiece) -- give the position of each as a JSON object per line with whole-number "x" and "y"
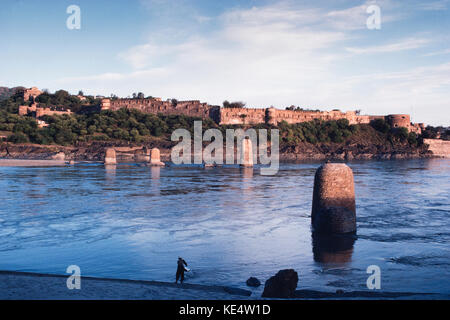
{"x": 247, "y": 116}
{"x": 193, "y": 108}
{"x": 440, "y": 148}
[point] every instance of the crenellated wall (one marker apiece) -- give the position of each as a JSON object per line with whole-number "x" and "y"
{"x": 193, "y": 108}
{"x": 239, "y": 116}
{"x": 274, "y": 116}
{"x": 242, "y": 116}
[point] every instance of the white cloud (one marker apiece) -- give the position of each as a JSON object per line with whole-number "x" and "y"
{"x": 278, "y": 55}
{"x": 402, "y": 45}
{"x": 437, "y": 53}
{"x": 434, "y": 6}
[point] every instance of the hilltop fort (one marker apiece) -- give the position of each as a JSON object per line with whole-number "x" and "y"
{"x": 244, "y": 116}
{"x": 221, "y": 115}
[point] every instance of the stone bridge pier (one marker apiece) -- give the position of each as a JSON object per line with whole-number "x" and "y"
{"x": 333, "y": 207}
{"x": 155, "y": 158}
{"x": 247, "y": 152}
{"x": 110, "y": 156}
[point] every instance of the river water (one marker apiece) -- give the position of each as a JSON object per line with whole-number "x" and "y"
{"x": 130, "y": 221}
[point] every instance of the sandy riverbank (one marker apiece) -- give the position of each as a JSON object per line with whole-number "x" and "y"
{"x": 33, "y": 286}
{"x": 29, "y": 286}
{"x": 31, "y": 163}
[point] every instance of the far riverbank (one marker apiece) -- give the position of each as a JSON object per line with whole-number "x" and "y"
{"x": 95, "y": 151}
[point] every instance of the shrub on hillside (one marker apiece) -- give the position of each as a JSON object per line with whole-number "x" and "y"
{"x": 380, "y": 125}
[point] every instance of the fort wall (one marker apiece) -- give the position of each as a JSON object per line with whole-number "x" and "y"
{"x": 275, "y": 116}
{"x": 31, "y": 92}
{"x": 440, "y": 148}
{"x": 242, "y": 116}
{"x": 246, "y": 116}
{"x": 404, "y": 120}
{"x": 223, "y": 116}
{"x": 193, "y": 108}
{"x": 40, "y": 112}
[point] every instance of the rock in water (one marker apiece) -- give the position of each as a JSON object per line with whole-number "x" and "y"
{"x": 253, "y": 282}
{"x": 282, "y": 285}
{"x": 333, "y": 208}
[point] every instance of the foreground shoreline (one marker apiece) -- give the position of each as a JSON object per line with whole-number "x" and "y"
{"x": 37, "y": 286}
{"x": 16, "y": 285}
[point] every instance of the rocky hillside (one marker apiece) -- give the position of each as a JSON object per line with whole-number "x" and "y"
{"x": 6, "y": 93}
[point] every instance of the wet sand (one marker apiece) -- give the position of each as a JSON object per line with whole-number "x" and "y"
{"x": 32, "y": 286}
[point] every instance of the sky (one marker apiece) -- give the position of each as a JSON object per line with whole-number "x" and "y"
{"x": 312, "y": 54}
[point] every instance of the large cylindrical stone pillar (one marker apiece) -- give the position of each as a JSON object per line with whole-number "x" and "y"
{"x": 333, "y": 208}
{"x": 155, "y": 158}
{"x": 247, "y": 151}
{"x": 110, "y": 156}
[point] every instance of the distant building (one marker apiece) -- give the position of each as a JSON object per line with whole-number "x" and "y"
{"x": 28, "y": 93}
{"x": 37, "y": 112}
{"x": 42, "y": 123}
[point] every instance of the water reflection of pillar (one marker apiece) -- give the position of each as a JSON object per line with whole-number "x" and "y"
{"x": 333, "y": 249}
{"x": 247, "y": 173}
{"x": 110, "y": 172}
{"x": 155, "y": 183}
{"x": 247, "y": 183}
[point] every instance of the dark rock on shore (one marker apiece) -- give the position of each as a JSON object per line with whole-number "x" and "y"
{"x": 253, "y": 282}
{"x": 282, "y": 285}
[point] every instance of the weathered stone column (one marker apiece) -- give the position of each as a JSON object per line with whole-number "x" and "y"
{"x": 155, "y": 158}
{"x": 110, "y": 156}
{"x": 333, "y": 208}
{"x": 247, "y": 151}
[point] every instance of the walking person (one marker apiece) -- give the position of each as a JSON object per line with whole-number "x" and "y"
{"x": 180, "y": 270}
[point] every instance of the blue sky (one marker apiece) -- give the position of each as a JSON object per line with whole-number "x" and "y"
{"x": 309, "y": 53}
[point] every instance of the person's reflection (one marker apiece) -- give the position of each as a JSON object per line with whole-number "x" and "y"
{"x": 333, "y": 249}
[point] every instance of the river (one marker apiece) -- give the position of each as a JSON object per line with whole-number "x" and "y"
{"x": 131, "y": 221}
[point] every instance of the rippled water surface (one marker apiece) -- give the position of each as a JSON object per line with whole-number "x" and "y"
{"x": 129, "y": 221}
